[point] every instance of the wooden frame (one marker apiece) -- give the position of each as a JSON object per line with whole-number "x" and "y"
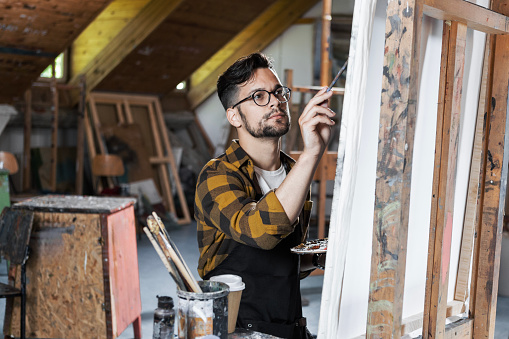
{"x": 160, "y": 154}
{"x": 488, "y": 171}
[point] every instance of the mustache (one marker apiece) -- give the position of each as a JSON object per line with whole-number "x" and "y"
{"x": 275, "y": 111}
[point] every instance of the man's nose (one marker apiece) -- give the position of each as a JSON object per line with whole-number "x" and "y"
{"x": 273, "y": 101}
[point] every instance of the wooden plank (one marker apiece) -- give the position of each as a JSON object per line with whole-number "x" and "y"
{"x": 471, "y": 216}
{"x": 459, "y": 330}
{"x": 494, "y": 187}
{"x": 325, "y": 62}
{"x": 27, "y": 133}
{"x": 119, "y": 232}
{"x": 102, "y": 30}
{"x": 415, "y": 322}
{"x": 80, "y": 138}
{"x": 484, "y": 157}
{"x": 163, "y": 172}
{"x": 54, "y": 132}
{"x": 436, "y": 173}
{"x": 314, "y": 89}
{"x": 129, "y": 37}
{"x": 186, "y": 218}
{"x": 446, "y": 182}
{"x": 474, "y": 16}
{"x": 256, "y": 36}
{"x": 65, "y": 297}
{"x": 394, "y": 169}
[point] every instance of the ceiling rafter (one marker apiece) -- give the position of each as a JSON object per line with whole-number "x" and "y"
{"x": 127, "y": 40}
{"x": 101, "y": 31}
{"x": 256, "y": 36}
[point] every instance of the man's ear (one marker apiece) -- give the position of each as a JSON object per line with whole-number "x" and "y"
{"x": 233, "y": 117}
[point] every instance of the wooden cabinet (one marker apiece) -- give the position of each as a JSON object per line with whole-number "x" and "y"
{"x": 82, "y": 272}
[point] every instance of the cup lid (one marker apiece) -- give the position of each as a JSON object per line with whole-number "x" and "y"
{"x": 233, "y": 281}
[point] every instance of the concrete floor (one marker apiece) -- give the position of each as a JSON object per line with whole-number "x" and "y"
{"x": 155, "y": 280}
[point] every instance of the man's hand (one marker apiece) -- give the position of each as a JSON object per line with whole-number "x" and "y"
{"x": 315, "y": 124}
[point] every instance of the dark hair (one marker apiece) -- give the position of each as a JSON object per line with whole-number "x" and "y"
{"x": 238, "y": 73}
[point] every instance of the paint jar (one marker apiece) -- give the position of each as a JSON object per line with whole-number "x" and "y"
{"x": 164, "y": 319}
{"x": 204, "y": 314}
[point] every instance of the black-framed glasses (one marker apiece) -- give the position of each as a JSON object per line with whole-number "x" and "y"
{"x": 262, "y": 97}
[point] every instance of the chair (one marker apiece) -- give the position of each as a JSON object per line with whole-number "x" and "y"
{"x": 8, "y": 162}
{"x": 15, "y": 229}
{"x": 107, "y": 166}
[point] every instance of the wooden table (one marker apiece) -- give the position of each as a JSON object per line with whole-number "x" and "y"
{"x": 82, "y": 273}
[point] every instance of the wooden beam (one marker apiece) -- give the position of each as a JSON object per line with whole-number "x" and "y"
{"x": 394, "y": 169}
{"x": 474, "y": 194}
{"x": 459, "y": 330}
{"x": 127, "y": 40}
{"x": 102, "y": 31}
{"x": 255, "y": 37}
{"x": 494, "y": 187}
{"x": 474, "y": 16}
{"x": 325, "y": 62}
{"x": 443, "y": 198}
{"x": 415, "y": 322}
{"x": 436, "y": 173}
{"x": 54, "y": 131}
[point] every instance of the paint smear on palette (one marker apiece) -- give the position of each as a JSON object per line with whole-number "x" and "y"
{"x": 446, "y": 247}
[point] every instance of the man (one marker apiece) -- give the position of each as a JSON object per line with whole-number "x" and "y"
{"x": 250, "y": 208}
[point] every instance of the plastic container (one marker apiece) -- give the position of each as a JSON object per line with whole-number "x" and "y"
{"x": 236, "y": 286}
{"x": 164, "y": 319}
{"x": 203, "y": 314}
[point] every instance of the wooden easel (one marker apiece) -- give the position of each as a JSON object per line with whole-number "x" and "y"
{"x": 489, "y": 169}
{"x": 160, "y": 155}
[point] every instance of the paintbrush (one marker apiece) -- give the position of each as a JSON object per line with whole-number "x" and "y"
{"x": 180, "y": 262}
{"x": 337, "y": 76}
{"x": 167, "y": 263}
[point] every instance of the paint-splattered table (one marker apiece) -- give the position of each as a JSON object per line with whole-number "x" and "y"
{"x": 82, "y": 273}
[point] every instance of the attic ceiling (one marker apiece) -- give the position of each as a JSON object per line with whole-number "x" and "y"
{"x": 137, "y": 46}
{"x": 33, "y": 33}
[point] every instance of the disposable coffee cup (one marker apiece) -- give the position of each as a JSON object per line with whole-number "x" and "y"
{"x": 236, "y": 287}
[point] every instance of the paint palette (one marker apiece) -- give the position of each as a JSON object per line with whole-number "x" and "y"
{"x": 311, "y": 246}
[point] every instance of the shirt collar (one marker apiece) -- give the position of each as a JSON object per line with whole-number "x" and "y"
{"x": 237, "y": 156}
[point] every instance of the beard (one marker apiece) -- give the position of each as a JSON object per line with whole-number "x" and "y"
{"x": 267, "y": 131}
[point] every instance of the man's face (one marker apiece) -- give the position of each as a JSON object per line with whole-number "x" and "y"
{"x": 271, "y": 121}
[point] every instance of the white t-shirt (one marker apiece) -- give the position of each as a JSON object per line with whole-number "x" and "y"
{"x": 269, "y": 180}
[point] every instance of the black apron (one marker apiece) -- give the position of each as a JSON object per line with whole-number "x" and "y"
{"x": 271, "y": 300}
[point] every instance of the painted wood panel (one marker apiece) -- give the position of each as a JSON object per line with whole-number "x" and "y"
{"x": 394, "y": 169}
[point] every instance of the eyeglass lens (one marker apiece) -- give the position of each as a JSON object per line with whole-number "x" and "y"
{"x": 262, "y": 97}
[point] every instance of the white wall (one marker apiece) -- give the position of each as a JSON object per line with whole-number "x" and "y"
{"x": 292, "y": 50}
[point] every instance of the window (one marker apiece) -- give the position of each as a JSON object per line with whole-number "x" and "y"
{"x": 59, "y": 68}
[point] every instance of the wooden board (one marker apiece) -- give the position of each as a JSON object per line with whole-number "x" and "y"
{"x": 64, "y": 292}
{"x": 123, "y": 304}
{"x": 445, "y": 182}
{"x": 394, "y": 170}
{"x": 494, "y": 187}
{"x": 474, "y": 195}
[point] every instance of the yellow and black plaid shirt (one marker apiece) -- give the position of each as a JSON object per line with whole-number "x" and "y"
{"x": 229, "y": 208}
